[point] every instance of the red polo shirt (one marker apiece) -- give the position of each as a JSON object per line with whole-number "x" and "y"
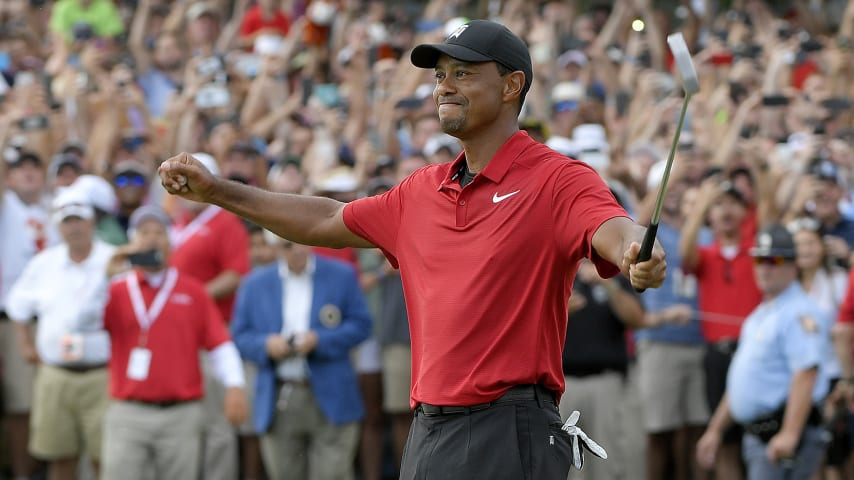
{"x": 188, "y": 322}
{"x": 728, "y": 292}
{"x": 218, "y": 245}
{"x": 846, "y": 310}
{"x": 487, "y": 269}
{"x": 254, "y": 21}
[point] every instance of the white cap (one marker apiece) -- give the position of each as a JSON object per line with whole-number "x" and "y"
{"x": 592, "y": 145}
{"x": 653, "y": 178}
{"x": 572, "y": 56}
{"x": 321, "y": 12}
{"x": 71, "y": 202}
{"x": 99, "y": 192}
{"x": 442, "y": 140}
{"x": 198, "y": 9}
{"x": 338, "y": 180}
{"x": 590, "y": 136}
{"x": 562, "y": 145}
{"x": 208, "y": 161}
{"x": 567, "y": 92}
{"x": 269, "y": 45}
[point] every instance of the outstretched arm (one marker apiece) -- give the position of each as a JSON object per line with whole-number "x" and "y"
{"x": 299, "y": 218}
{"x": 618, "y": 241}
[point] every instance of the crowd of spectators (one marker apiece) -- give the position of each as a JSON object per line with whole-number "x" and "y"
{"x": 319, "y": 97}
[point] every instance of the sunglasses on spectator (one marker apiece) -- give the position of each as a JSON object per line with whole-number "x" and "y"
{"x": 123, "y": 181}
{"x": 803, "y": 223}
{"x": 771, "y": 261}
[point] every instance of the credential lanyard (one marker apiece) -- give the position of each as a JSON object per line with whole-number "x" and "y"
{"x": 144, "y": 317}
{"x": 184, "y": 234}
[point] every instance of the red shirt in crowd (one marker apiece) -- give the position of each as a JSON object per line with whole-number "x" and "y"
{"x": 214, "y": 242}
{"x": 728, "y": 291}
{"x": 345, "y": 254}
{"x": 846, "y": 310}
{"x": 254, "y": 21}
{"x": 487, "y": 269}
{"x": 188, "y": 322}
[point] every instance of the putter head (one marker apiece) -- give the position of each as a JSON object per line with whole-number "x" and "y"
{"x": 682, "y": 58}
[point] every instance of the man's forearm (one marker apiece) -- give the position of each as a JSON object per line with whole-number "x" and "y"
{"x": 843, "y": 336}
{"x": 722, "y": 418}
{"x": 799, "y": 402}
{"x": 223, "y": 285}
{"x": 303, "y": 219}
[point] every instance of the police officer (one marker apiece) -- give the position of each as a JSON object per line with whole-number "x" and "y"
{"x": 777, "y": 377}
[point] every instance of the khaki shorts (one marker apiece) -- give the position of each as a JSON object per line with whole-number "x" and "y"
{"x": 18, "y": 374}
{"x": 397, "y": 378}
{"x": 68, "y": 413}
{"x": 672, "y": 385}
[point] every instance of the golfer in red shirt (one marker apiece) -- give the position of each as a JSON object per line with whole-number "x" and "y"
{"x": 487, "y": 246}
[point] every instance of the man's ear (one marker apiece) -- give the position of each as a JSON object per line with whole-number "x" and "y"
{"x": 513, "y": 84}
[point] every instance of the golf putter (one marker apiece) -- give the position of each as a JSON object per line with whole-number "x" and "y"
{"x": 691, "y": 85}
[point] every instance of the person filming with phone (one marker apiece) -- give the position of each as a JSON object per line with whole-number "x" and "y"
{"x": 158, "y": 319}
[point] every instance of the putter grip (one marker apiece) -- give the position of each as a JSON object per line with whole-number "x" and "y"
{"x": 646, "y": 247}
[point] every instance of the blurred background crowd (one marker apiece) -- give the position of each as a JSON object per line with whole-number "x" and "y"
{"x": 319, "y": 97}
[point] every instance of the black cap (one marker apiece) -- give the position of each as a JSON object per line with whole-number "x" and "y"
{"x": 774, "y": 240}
{"x": 825, "y": 170}
{"x": 728, "y": 188}
{"x": 15, "y": 158}
{"x": 479, "y": 41}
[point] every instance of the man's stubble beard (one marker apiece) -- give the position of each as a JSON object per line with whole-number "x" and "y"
{"x": 452, "y": 125}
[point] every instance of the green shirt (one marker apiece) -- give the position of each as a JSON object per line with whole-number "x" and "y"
{"x": 110, "y": 231}
{"x": 102, "y": 15}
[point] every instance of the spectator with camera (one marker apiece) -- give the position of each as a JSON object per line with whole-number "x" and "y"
{"x": 158, "y": 319}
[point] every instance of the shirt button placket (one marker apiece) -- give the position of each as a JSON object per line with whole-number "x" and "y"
{"x": 461, "y": 211}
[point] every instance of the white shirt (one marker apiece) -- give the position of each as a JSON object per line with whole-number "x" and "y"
{"x": 67, "y": 298}
{"x": 38, "y": 223}
{"x": 16, "y": 248}
{"x": 297, "y": 294}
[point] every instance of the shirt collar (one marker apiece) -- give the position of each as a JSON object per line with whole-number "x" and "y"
{"x": 498, "y": 166}
{"x": 285, "y": 273}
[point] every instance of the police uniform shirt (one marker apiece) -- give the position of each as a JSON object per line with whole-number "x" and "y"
{"x": 778, "y": 339}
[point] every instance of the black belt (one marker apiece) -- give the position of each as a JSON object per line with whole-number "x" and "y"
{"x": 3, "y": 316}
{"x": 767, "y": 426}
{"x": 519, "y": 392}
{"x": 81, "y": 368}
{"x": 162, "y": 403}
{"x": 726, "y": 346}
{"x": 296, "y": 383}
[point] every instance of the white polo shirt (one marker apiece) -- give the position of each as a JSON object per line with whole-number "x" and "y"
{"x": 67, "y": 298}
{"x": 16, "y": 247}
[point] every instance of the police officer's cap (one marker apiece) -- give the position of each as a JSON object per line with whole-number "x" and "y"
{"x": 774, "y": 240}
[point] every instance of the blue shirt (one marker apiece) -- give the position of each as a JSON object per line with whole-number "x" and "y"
{"x": 779, "y": 338}
{"x": 678, "y": 288}
{"x": 157, "y": 89}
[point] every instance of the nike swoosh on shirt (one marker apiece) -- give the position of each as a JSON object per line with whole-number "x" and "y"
{"x": 497, "y": 198}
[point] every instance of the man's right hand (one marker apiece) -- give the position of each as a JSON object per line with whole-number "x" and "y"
{"x": 277, "y": 347}
{"x": 707, "y": 448}
{"x": 30, "y": 354}
{"x": 186, "y": 177}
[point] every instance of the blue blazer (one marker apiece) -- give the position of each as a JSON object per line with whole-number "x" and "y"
{"x": 258, "y": 313}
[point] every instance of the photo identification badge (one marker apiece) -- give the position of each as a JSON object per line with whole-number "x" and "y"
{"x": 138, "y": 363}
